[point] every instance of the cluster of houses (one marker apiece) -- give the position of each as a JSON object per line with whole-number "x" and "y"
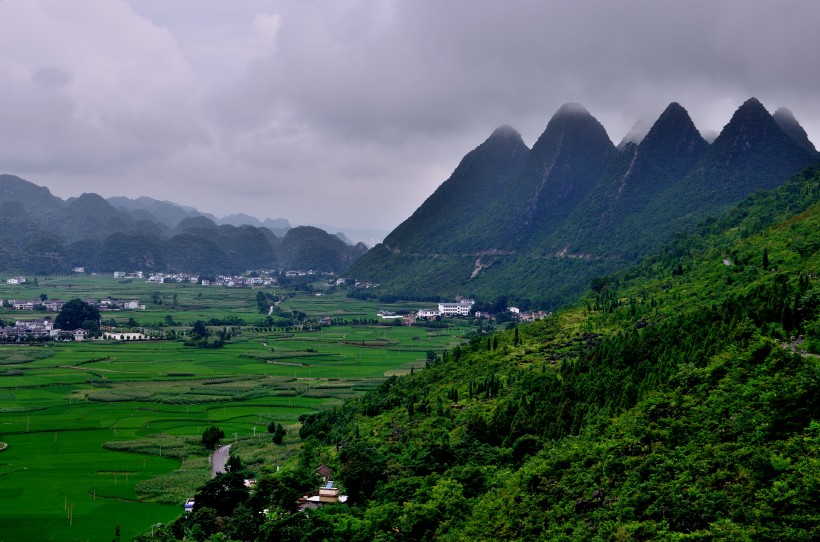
{"x": 462, "y": 307}
{"x": 25, "y": 330}
{"x": 56, "y": 305}
{"x": 39, "y": 329}
{"x": 341, "y": 281}
{"x": 227, "y": 281}
{"x": 307, "y": 273}
{"x": 528, "y": 316}
{"x": 258, "y": 278}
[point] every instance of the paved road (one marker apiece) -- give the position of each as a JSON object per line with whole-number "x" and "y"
{"x": 218, "y": 460}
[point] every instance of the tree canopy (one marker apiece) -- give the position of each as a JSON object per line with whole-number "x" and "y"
{"x": 78, "y": 314}
{"x": 211, "y": 436}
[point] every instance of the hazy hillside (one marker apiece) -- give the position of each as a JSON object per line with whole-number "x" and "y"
{"x": 42, "y": 234}
{"x": 306, "y": 247}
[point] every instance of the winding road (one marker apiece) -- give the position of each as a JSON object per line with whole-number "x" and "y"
{"x": 218, "y": 459}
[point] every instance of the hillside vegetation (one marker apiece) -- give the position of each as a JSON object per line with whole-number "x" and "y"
{"x": 679, "y": 400}
{"x": 534, "y": 226}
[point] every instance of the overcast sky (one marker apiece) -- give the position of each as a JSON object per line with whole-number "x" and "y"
{"x": 351, "y": 112}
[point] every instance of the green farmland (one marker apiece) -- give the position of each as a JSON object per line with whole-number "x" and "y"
{"x": 106, "y": 434}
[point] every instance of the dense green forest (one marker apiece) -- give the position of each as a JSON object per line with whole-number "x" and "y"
{"x": 679, "y": 400}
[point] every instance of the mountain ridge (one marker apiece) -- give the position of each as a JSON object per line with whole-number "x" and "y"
{"x": 578, "y": 207}
{"x": 42, "y": 234}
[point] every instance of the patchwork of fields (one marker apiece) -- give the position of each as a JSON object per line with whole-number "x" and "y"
{"x": 102, "y": 434}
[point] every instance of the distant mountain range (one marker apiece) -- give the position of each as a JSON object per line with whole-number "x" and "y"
{"x": 43, "y": 234}
{"x": 534, "y": 226}
{"x": 170, "y": 214}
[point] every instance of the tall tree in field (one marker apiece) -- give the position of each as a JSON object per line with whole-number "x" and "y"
{"x": 199, "y": 331}
{"x": 211, "y": 436}
{"x": 78, "y": 314}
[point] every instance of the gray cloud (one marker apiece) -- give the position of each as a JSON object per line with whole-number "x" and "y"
{"x": 351, "y": 112}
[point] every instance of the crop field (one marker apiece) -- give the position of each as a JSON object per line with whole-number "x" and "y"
{"x": 104, "y": 434}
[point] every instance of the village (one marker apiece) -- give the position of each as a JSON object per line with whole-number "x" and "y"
{"x": 25, "y": 329}
{"x": 252, "y": 278}
{"x": 463, "y": 308}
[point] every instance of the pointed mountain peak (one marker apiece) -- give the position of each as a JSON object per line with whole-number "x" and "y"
{"x": 752, "y": 128}
{"x": 503, "y": 141}
{"x": 573, "y": 118}
{"x": 675, "y": 111}
{"x": 788, "y": 123}
{"x": 571, "y": 109}
{"x": 751, "y": 108}
{"x": 751, "y": 153}
{"x": 749, "y": 120}
{"x": 505, "y": 131}
{"x": 784, "y": 114}
{"x": 674, "y": 134}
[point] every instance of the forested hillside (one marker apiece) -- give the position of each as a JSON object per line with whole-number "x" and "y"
{"x": 534, "y": 226}
{"x": 679, "y": 400}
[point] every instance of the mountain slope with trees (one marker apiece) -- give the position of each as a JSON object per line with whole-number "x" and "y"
{"x": 451, "y": 219}
{"x": 679, "y": 400}
{"x": 578, "y": 207}
{"x": 606, "y": 223}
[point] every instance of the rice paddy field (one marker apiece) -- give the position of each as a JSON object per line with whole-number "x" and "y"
{"x": 106, "y": 435}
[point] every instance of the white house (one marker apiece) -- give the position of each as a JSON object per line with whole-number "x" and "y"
{"x": 76, "y": 334}
{"x": 462, "y": 308}
{"x": 16, "y": 280}
{"x": 119, "y": 274}
{"x": 125, "y": 336}
{"x": 47, "y": 325}
{"x": 428, "y": 313}
{"x": 327, "y": 495}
